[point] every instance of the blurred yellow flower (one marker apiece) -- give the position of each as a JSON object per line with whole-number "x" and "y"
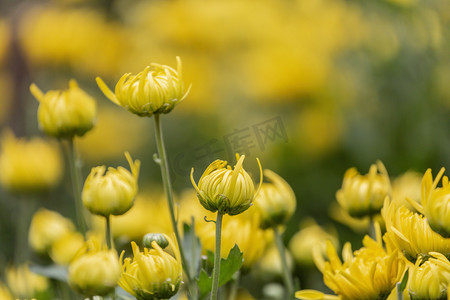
{"x": 113, "y": 192}
{"x": 23, "y": 283}
{"x": 29, "y": 165}
{"x": 430, "y": 277}
{"x": 436, "y": 202}
{"x": 405, "y": 186}
{"x": 153, "y": 273}
{"x": 363, "y": 195}
{"x": 64, "y": 114}
{"x": 64, "y": 249}
{"x": 410, "y": 232}
{"x": 243, "y": 230}
{"x": 74, "y": 38}
{"x": 309, "y": 237}
{"x": 270, "y": 263}
{"x": 46, "y": 228}
{"x": 368, "y": 273}
{"x": 95, "y": 270}
{"x": 275, "y": 201}
{"x": 156, "y": 90}
{"x": 4, "y": 293}
{"x": 225, "y": 190}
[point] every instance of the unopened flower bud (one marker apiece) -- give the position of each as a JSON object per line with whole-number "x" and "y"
{"x": 159, "y": 238}
{"x": 156, "y": 90}
{"x": 275, "y": 201}
{"x": 225, "y": 190}
{"x": 113, "y": 192}
{"x": 65, "y": 113}
{"x": 363, "y": 195}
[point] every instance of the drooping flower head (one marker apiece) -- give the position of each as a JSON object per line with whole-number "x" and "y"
{"x": 225, "y": 190}
{"x": 275, "y": 200}
{"x": 29, "y": 165}
{"x": 368, "y": 273}
{"x": 64, "y": 114}
{"x": 95, "y": 270}
{"x": 153, "y": 273}
{"x": 113, "y": 192}
{"x": 156, "y": 90}
{"x": 363, "y": 195}
{"x": 410, "y": 232}
{"x": 435, "y": 202}
{"x": 430, "y": 277}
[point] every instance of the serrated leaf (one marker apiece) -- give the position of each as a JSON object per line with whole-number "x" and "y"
{"x": 52, "y": 271}
{"x": 228, "y": 266}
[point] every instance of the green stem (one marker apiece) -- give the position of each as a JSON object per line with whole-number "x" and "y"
{"x": 287, "y": 278}
{"x": 216, "y": 271}
{"x": 399, "y": 292}
{"x": 108, "y": 236}
{"x": 76, "y": 186}
{"x": 168, "y": 190}
{"x": 26, "y": 208}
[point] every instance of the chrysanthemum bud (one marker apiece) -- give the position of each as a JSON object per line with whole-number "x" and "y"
{"x": 95, "y": 271}
{"x": 363, "y": 195}
{"x": 29, "y": 166}
{"x": 65, "y": 113}
{"x": 112, "y": 193}
{"x": 159, "y": 238}
{"x": 25, "y": 284}
{"x": 275, "y": 201}
{"x": 225, "y": 190}
{"x": 156, "y": 90}
{"x": 152, "y": 274}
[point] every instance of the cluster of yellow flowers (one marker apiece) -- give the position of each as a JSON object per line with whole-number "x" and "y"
{"x": 414, "y": 239}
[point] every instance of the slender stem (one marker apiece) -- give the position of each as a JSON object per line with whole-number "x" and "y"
{"x": 76, "y": 186}
{"x": 216, "y": 271}
{"x": 108, "y": 235}
{"x": 287, "y": 278}
{"x": 26, "y": 207}
{"x": 168, "y": 190}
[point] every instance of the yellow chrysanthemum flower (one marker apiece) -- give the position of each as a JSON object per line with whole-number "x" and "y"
{"x": 113, "y": 192}
{"x": 275, "y": 201}
{"x": 95, "y": 270}
{"x": 225, "y": 190}
{"x": 309, "y": 237}
{"x": 406, "y": 186}
{"x": 46, "y": 228}
{"x": 368, "y": 273}
{"x": 29, "y": 165}
{"x": 64, "y": 114}
{"x": 153, "y": 273}
{"x": 156, "y": 90}
{"x": 24, "y": 284}
{"x": 430, "y": 278}
{"x": 435, "y": 202}
{"x": 410, "y": 232}
{"x": 363, "y": 195}
{"x": 270, "y": 263}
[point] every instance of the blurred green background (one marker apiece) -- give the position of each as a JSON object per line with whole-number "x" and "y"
{"x": 310, "y": 87}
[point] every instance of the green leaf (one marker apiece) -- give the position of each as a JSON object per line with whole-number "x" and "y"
{"x": 192, "y": 248}
{"x": 401, "y": 287}
{"x": 52, "y": 271}
{"x": 228, "y": 267}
